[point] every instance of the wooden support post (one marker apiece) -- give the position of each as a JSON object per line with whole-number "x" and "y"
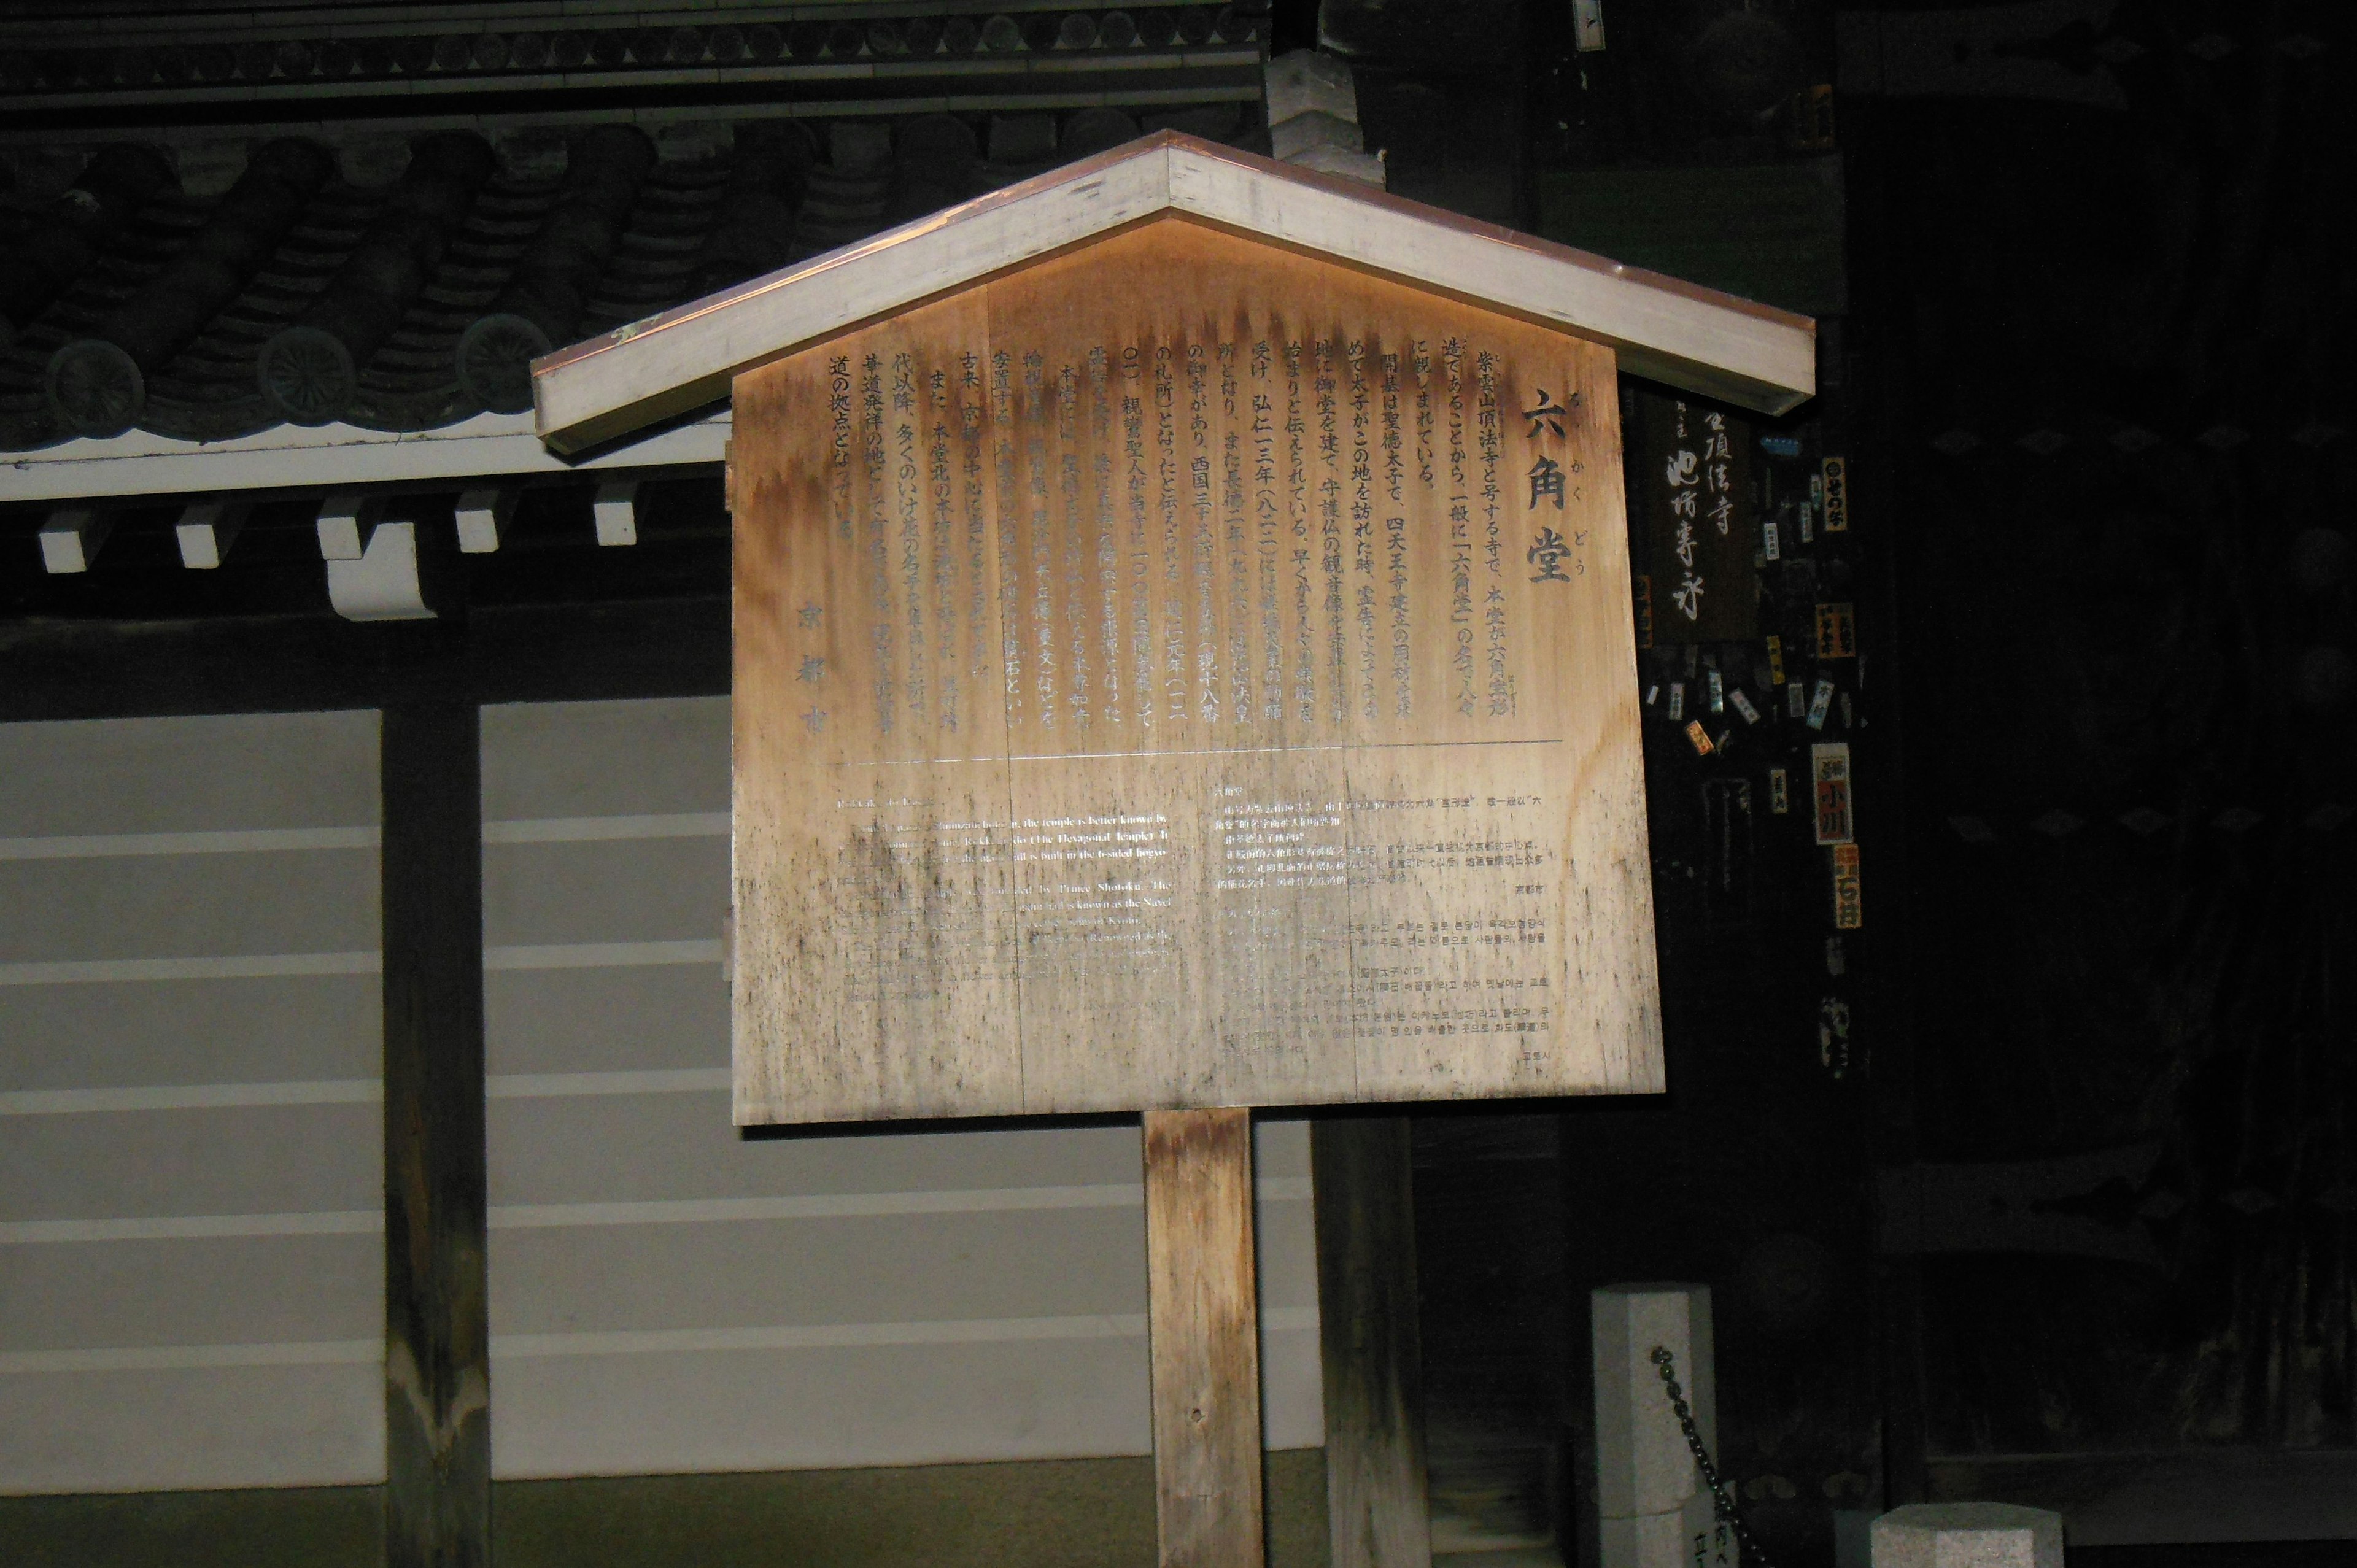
{"x": 437, "y": 1323}
{"x": 1203, "y": 1311}
{"x": 1370, "y": 1345}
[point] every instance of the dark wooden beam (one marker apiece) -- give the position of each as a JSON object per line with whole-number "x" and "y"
{"x": 437, "y": 1320}
{"x": 1370, "y": 1345}
{"x": 86, "y": 670}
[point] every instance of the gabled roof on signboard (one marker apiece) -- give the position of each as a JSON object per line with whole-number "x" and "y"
{"x": 1699, "y": 340}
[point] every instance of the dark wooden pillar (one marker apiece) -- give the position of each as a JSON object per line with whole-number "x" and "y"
{"x": 1370, "y": 1345}
{"x": 438, "y": 1327}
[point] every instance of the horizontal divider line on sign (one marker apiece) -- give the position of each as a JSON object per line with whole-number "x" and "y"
{"x": 630, "y": 1342}
{"x": 270, "y": 966}
{"x": 260, "y": 840}
{"x": 350, "y": 1092}
{"x": 672, "y": 1212}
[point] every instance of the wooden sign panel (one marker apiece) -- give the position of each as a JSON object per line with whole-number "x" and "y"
{"x": 1184, "y": 672}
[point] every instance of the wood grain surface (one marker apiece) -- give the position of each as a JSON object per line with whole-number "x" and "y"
{"x": 437, "y": 1367}
{"x": 1204, "y": 1317}
{"x": 1185, "y": 672}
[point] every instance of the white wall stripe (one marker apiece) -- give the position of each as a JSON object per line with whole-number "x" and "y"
{"x": 630, "y": 1342}
{"x": 195, "y": 1357}
{"x": 191, "y": 1227}
{"x": 601, "y": 955}
{"x": 252, "y": 841}
{"x": 852, "y": 1205}
{"x": 95, "y": 846}
{"x": 674, "y": 1211}
{"x": 243, "y": 966}
{"x": 570, "y": 1085}
{"x": 590, "y": 830}
{"x": 351, "y": 1092}
{"x": 264, "y": 966}
{"x": 820, "y": 1336}
{"x": 190, "y": 1096}
{"x": 825, "y": 1206}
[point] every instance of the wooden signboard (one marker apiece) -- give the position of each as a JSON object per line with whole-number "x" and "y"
{"x": 1180, "y": 673}
{"x": 1184, "y": 661}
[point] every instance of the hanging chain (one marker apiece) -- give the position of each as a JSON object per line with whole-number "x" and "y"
{"x": 1722, "y": 1505}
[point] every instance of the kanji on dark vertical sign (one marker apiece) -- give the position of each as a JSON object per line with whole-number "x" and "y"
{"x": 1690, "y": 474}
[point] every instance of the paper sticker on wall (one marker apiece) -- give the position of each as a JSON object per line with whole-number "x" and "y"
{"x": 1829, "y": 770}
{"x": 1727, "y": 849}
{"x": 1775, "y": 660}
{"x": 1833, "y": 1035}
{"x": 1836, "y": 474}
{"x": 1847, "y": 911}
{"x": 1821, "y": 703}
{"x": 1700, "y": 737}
{"x": 1587, "y": 25}
{"x": 1779, "y": 792}
{"x": 1836, "y": 631}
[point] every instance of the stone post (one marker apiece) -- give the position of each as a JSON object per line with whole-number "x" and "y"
{"x": 1653, "y": 1509}
{"x": 1968, "y": 1535}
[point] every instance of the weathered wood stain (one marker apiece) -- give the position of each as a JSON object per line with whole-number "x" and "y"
{"x": 1185, "y": 672}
